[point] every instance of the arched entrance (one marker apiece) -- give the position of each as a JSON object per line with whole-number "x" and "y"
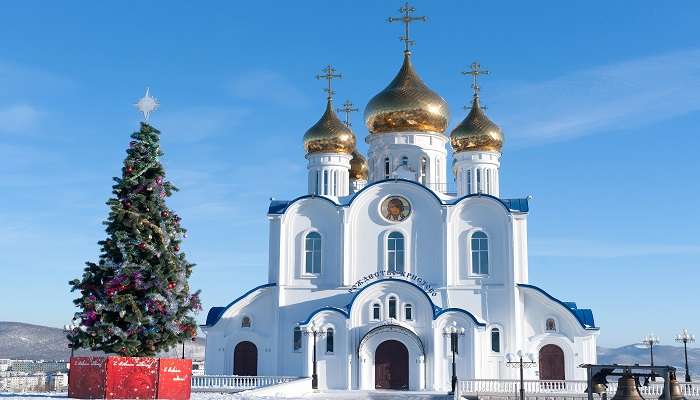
{"x": 552, "y": 363}
{"x": 391, "y": 366}
{"x": 245, "y": 359}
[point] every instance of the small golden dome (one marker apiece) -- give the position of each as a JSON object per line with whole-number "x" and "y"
{"x": 358, "y": 167}
{"x": 329, "y": 135}
{"x": 477, "y": 132}
{"x": 407, "y": 105}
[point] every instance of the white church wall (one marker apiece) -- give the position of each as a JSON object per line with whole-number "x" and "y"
{"x": 422, "y": 232}
{"x": 303, "y": 217}
{"x": 223, "y": 337}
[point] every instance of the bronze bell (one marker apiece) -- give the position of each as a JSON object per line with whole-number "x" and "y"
{"x": 599, "y": 382}
{"x": 675, "y": 389}
{"x": 627, "y": 389}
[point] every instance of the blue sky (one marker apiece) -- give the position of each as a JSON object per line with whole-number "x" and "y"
{"x": 599, "y": 102}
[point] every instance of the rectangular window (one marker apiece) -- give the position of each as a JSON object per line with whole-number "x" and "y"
{"x": 409, "y": 313}
{"x": 325, "y": 183}
{"x": 386, "y": 168}
{"x": 392, "y": 308}
{"x": 495, "y": 340}
{"x": 375, "y": 312}
{"x": 297, "y": 339}
{"x": 329, "y": 340}
{"x": 469, "y": 181}
{"x": 478, "y": 180}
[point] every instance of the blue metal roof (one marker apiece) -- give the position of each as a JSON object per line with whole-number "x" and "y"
{"x": 517, "y": 205}
{"x": 583, "y": 315}
{"x": 215, "y": 313}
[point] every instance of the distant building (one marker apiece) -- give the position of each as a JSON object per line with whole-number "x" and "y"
{"x": 58, "y": 382}
{"x": 31, "y": 366}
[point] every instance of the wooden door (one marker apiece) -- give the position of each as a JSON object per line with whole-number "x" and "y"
{"x": 552, "y": 363}
{"x": 245, "y": 359}
{"x": 391, "y": 366}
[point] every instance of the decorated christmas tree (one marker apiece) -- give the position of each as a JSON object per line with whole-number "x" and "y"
{"x": 135, "y": 301}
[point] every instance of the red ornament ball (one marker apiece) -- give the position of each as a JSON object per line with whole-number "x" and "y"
{"x": 176, "y": 248}
{"x": 171, "y": 285}
{"x": 129, "y": 169}
{"x": 142, "y": 246}
{"x": 164, "y": 214}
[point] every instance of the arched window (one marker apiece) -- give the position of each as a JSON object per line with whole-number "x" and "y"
{"x": 392, "y": 307}
{"x": 495, "y": 340}
{"x": 313, "y": 253}
{"x": 376, "y": 312}
{"x": 408, "y": 312}
{"x": 329, "y": 340}
{"x": 404, "y": 161}
{"x": 325, "y": 183}
{"x": 318, "y": 180}
{"x": 550, "y": 325}
{"x": 297, "y": 338}
{"x": 387, "y": 168}
{"x": 478, "y": 181}
{"x": 245, "y": 322}
{"x": 395, "y": 252}
{"x": 480, "y": 253}
{"x": 423, "y": 170}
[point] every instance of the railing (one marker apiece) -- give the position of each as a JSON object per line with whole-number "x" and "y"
{"x": 235, "y": 383}
{"x": 536, "y": 389}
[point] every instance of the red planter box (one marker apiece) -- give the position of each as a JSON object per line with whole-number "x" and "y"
{"x": 129, "y": 378}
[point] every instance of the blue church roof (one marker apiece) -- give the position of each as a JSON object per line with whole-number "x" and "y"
{"x": 583, "y": 315}
{"x": 517, "y": 205}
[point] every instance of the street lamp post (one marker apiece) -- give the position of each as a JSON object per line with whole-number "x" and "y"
{"x": 685, "y": 338}
{"x": 522, "y": 361}
{"x": 315, "y": 332}
{"x": 453, "y": 333}
{"x": 650, "y": 341}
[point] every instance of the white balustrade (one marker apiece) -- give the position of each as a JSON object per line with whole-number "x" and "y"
{"x": 235, "y": 383}
{"x": 545, "y": 390}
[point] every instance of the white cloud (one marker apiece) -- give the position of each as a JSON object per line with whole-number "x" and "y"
{"x": 18, "y": 118}
{"x": 606, "y": 98}
{"x": 555, "y": 247}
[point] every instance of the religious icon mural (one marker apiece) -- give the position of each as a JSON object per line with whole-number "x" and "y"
{"x": 395, "y": 208}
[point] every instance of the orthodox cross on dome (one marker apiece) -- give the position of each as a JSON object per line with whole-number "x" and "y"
{"x": 347, "y": 109}
{"x": 475, "y": 71}
{"x": 329, "y": 76}
{"x": 406, "y": 19}
{"x": 147, "y": 104}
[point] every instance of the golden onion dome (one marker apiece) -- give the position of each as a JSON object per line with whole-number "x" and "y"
{"x": 358, "y": 167}
{"x": 477, "y": 132}
{"x": 407, "y": 105}
{"x": 329, "y": 135}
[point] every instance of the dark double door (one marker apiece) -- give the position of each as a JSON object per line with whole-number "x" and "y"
{"x": 245, "y": 359}
{"x": 391, "y": 366}
{"x": 551, "y": 363}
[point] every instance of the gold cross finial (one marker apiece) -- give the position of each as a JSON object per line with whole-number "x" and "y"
{"x": 475, "y": 71}
{"x": 347, "y": 109}
{"x": 329, "y": 76}
{"x": 407, "y": 18}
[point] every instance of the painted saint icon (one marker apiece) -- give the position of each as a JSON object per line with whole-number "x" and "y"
{"x": 395, "y": 208}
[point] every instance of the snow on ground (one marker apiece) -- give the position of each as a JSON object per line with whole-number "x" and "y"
{"x": 339, "y": 395}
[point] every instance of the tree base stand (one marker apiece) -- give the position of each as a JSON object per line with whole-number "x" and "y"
{"x": 129, "y": 378}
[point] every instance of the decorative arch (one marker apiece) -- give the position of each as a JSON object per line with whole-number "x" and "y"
{"x": 394, "y": 328}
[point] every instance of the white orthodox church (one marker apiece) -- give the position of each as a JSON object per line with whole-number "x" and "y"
{"x": 379, "y": 276}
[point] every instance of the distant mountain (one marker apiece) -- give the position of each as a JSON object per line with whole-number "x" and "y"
{"x": 35, "y": 342}
{"x": 663, "y": 355}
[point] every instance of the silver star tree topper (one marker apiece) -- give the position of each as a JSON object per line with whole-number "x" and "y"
{"x": 147, "y": 104}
